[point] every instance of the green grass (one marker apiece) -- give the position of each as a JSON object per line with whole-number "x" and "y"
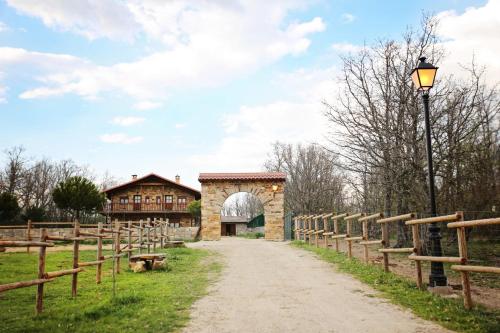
{"x": 146, "y": 302}
{"x": 450, "y": 313}
{"x": 251, "y": 235}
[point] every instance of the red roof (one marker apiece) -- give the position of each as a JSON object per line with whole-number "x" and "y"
{"x": 242, "y": 176}
{"x": 197, "y": 193}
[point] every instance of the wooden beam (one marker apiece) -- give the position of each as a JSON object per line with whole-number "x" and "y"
{"x": 398, "y": 250}
{"x": 371, "y": 217}
{"x": 474, "y": 223}
{"x": 477, "y": 269}
{"x": 23, "y": 284}
{"x": 25, "y": 243}
{"x": 456, "y": 260}
{"x": 403, "y": 217}
{"x": 50, "y": 275}
{"x": 355, "y": 216}
{"x": 445, "y": 218}
{"x": 372, "y": 242}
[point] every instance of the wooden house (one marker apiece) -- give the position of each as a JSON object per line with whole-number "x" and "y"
{"x": 151, "y": 196}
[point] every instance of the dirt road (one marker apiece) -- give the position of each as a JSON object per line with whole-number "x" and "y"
{"x": 272, "y": 287}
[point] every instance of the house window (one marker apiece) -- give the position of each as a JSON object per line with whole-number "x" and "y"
{"x": 169, "y": 199}
{"x": 137, "y": 199}
{"x": 181, "y": 202}
{"x": 147, "y": 200}
{"x": 123, "y": 202}
{"x": 137, "y": 202}
{"x": 158, "y": 200}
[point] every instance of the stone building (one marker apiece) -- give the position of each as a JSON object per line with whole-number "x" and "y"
{"x": 151, "y": 196}
{"x": 268, "y": 187}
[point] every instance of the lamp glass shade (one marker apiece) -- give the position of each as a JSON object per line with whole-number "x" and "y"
{"x": 275, "y": 188}
{"x": 423, "y": 76}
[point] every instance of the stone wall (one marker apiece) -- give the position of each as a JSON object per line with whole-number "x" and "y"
{"x": 182, "y": 233}
{"x": 214, "y": 193}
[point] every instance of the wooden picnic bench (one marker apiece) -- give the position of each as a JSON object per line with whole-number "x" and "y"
{"x": 148, "y": 258}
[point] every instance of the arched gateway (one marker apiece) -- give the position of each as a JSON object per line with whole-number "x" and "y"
{"x": 217, "y": 187}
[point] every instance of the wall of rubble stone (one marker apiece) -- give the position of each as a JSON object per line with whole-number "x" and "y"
{"x": 181, "y": 233}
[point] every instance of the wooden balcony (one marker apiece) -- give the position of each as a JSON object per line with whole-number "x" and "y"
{"x": 145, "y": 208}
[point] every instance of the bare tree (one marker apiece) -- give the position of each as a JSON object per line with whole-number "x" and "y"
{"x": 12, "y": 173}
{"x": 314, "y": 183}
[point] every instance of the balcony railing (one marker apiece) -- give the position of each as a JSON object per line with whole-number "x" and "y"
{"x": 144, "y": 207}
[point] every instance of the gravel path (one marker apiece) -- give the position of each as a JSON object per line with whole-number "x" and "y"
{"x": 272, "y": 287}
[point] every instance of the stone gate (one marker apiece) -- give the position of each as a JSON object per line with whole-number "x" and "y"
{"x": 217, "y": 187}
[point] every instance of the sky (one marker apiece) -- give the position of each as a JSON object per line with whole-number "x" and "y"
{"x": 183, "y": 87}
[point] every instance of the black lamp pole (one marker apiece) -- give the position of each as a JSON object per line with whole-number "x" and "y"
{"x": 437, "y": 277}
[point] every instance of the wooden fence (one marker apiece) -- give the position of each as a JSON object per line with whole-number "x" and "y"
{"x": 137, "y": 236}
{"x": 308, "y": 227}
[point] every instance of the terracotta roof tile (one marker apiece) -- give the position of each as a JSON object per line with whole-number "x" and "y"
{"x": 242, "y": 176}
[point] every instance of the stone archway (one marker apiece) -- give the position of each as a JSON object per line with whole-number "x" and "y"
{"x": 217, "y": 187}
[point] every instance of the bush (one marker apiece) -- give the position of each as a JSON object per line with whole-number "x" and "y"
{"x": 9, "y": 208}
{"x": 34, "y": 213}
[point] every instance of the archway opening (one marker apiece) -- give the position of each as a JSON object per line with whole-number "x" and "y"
{"x": 242, "y": 213}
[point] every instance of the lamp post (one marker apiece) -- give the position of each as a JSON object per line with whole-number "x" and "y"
{"x": 423, "y": 77}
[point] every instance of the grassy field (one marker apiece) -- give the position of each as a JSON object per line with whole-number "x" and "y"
{"x": 450, "y": 313}
{"x": 145, "y": 302}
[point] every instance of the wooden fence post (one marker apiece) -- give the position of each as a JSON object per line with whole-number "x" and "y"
{"x": 316, "y": 229}
{"x": 385, "y": 243}
{"x": 161, "y": 233}
{"x": 117, "y": 246}
{"x": 326, "y": 228}
{"x": 129, "y": 240}
{"x": 148, "y": 233}
{"x": 336, "y": 231}
{"x": 462, "y": 250}
{"x": 418, "y": 248}
{"x": 41, "y": 271}
{"x": 349, "y": 242}
{"x": 98, "y": 272}
{"x": 76, "y": 249}
{"x": 307, "y": 234}
{"x": 155, "y": 234}
{"x": 365, "y": 238}
{"x": 28, "y": 235}
{"x": 140, "y": 236}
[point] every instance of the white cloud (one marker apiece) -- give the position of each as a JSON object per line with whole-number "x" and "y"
{"x": 474, "y": 33}
{"x": 347, "y": 18}
{"x": 3, "y": 27}
{"x": 205, "y": 44}
{"x": 180, "y": 125}
{"x": 91, "y": 19}
{"x": 346, "y": 47}
{"x": 127, "y": 121}
{"x": 3, "y": 92}
{"x": 249, "y": 133}
{"x": 147, "y": 105}
{"x": 120, "y": 138}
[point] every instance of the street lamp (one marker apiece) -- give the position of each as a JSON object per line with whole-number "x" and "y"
{"x": 423, "y": 77}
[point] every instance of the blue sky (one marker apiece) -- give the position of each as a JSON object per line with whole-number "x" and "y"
{"x": 193, "y": 86}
